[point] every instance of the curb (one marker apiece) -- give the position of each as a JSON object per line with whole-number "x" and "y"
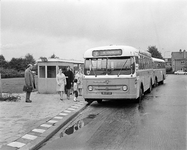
{"x": 43, "y": 134}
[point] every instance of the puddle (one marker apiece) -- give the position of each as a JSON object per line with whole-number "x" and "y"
{"x": 78, "y": 125}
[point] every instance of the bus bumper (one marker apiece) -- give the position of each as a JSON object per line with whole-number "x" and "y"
{"x": 97, "y": 96}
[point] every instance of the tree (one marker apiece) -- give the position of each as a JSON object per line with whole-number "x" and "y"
{"x": 29, "y": 59}
{"x": 17, "y": 64}
{"x": 3, "y": 62}
{"x": 54, "y": 56}
{"x": 44, "y": 59}
{"x": 154, "y": 52}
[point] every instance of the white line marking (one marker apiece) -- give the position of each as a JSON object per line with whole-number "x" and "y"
{"x": 67, "y": 111}
{"x": 29, "y": 137}
{"x": 52, "y": 121}
{"x": 58, "y": 117}
{"x": 63, "y": 114}
{"x": 78, "y": 104}
{"x": 46, "y": 125}
{"x": 16, "y": 144}
{"x": 38, "y": 130}
{"x": 74, "y": 106}
{"x": 71, "y": 109}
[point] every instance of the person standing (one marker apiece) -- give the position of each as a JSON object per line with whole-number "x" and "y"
{"x": 61, "y": 82}
{"x": 69, "y": 81}
{"x": 79, "y": 77}
{"x": 75, "y": 90}
{"x": 29, "y": 82}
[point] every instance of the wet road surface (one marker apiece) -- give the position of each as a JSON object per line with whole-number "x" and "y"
{"x": 158, "y": 123}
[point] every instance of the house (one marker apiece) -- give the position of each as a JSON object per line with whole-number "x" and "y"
{"x": 179, "y": 60}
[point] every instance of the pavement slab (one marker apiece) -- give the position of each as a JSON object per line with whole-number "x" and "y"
{"x": 21, "y": 121}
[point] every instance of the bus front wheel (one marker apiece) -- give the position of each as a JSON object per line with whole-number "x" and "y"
{"x": 89, "y": 101}
{"x": 99, "y": 101}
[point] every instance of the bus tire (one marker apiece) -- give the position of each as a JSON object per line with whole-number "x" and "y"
{"x": 89, "y": 101}
{"x": 150, "y": 87}
{"x": 162, "y": 82}
{"x": 139, "y": 99}
{"x": 99, "y": 101}
{"x": 155, "y": 83}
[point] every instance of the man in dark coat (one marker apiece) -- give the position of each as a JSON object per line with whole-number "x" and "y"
{"x": 69, "y": 81}
{"x": 29, "y": 81}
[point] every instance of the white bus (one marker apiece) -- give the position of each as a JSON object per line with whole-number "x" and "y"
{"x": 159, "y": 71}
{"x": 116, "y": 72}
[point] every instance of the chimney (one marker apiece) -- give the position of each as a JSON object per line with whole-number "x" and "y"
{"x": 184, "y": 51}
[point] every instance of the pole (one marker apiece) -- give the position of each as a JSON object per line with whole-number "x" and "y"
{"x": 0, "y": 87}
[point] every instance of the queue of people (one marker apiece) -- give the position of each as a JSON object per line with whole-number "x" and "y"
{"x": 72, "y": 85}
{"x": 66, "y": 83}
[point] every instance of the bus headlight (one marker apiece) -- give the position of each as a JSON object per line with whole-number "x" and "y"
{"x": 124, "y": 88}
{"x": 90, "y": 88}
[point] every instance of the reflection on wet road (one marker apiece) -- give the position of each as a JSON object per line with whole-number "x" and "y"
{"x": 157, "y": 123}
{"x": 78, "y": 125}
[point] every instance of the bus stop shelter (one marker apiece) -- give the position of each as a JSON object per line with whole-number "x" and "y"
{"x": 48, "y": 69}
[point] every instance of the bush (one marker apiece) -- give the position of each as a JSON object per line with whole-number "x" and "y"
{"x": 10, "y": 97}
{"x": 10, "y": 73}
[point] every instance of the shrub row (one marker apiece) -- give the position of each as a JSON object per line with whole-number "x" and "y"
{"x": 10, "y": 73}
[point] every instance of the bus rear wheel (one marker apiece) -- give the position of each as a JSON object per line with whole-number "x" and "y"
{"x": 162, "y": 82}
{"x": 156, "y": 83}
{"x": 150, "y": 87}
{"x": 139, "y": 99}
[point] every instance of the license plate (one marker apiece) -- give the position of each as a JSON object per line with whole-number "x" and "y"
{"x": 106, "y": 93}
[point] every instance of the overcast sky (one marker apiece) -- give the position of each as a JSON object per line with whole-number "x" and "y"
{"x": 67, "y": 28}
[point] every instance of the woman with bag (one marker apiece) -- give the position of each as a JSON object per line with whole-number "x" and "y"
{"x": 29, "y": 83}
{"x": 61, "y": 82}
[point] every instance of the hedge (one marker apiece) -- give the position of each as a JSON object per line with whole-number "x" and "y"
{"x": 10, "y": 73}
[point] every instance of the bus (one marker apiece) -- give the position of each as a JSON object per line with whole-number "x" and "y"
{"x": 117, "y": 72}
{"x": 159, "y": 71}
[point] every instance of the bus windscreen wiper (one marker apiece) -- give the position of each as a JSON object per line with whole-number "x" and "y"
{"x": 93, "y": 69}
{"x": 122, "y": 67}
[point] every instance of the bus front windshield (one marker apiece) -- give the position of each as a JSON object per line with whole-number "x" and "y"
{"x": 110, "y": 66}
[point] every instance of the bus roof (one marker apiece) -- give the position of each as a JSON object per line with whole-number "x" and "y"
{"x": 157, "y": 59}
{"x": 61, "y": 60}
{"x": 126, "y": 51}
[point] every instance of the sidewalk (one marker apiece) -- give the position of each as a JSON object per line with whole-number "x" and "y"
{"x": 19, "y": 118}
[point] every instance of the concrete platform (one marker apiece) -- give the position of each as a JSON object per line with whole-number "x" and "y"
{"x": 27, "y": 125}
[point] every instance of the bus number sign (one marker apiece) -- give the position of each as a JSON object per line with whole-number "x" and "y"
{"x": 108, "y": 52}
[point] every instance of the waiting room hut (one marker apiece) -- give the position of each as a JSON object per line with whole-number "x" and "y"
{"x": 48, "y": 69}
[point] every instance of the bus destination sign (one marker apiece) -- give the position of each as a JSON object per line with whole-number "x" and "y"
{"x": 108, "y": 52}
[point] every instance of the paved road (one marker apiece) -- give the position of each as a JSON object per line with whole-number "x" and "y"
{"x": 158, "y": 123}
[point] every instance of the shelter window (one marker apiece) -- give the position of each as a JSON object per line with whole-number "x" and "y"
{"x": 42, "y": 71}
{"x": 51, "y": 71}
